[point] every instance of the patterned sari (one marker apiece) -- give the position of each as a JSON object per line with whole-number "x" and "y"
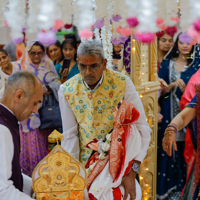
{"x": 34, "y": 142}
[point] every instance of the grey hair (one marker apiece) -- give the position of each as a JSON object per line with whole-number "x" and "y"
{"x": 91, "y": 47}
{"x": 23, "y": 80}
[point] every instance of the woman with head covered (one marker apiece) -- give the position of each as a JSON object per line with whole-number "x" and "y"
{"x": 34, "y": 141}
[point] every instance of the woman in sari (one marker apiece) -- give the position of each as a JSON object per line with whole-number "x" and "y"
{"x": 34, "y": 142}
{"x": 189, "y": 113}
{"x": 66, "y": 69}
{"x": 165, "y": 43}
{"x": 114, "y": 155}
{"x": 176, "y": 70}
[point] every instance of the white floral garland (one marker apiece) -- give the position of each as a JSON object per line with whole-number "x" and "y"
{"x": 171, "y": 11}
{"x": 46, "y": 15}
{"x": 15, "y": 16}
{"x": 2, "y": 10}
{"x": 66, "y": 9}
{"x": 161, "y": 9}
{"x": 147, "y": 16}
{"x": 32, "y": 18}
{"x": 184, "y": 21}
{"x": 86, "y": 13}
{"x": 104, "y": 148}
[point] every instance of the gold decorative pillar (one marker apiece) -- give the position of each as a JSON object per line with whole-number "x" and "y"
{"x": 144, "y": 77}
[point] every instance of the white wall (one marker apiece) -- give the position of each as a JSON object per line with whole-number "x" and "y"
{"x": 4, "y": 35}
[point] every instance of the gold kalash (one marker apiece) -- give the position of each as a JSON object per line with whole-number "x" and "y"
{"x": 59, "y": 176}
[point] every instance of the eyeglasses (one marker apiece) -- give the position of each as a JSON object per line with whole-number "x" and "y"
{"x": 33, "y": 53}
{"x": 92, "y": 68}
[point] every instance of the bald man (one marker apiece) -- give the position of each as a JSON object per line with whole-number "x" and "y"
{"x": 23, "y": 93}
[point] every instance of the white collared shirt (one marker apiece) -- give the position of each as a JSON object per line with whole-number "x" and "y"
{"x": 7, "y": 189}
{"x": 70, "y": 125}
{"x": 97, "y": 86}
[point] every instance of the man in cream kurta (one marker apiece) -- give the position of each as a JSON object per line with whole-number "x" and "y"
{"x": 23, "y": 93}
{"x": 87, "y": 101}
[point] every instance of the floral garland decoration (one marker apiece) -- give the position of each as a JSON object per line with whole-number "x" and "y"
{"x": 2, "y": 10}
{"x": 15, "y": 16}
{"x": 147, "y": 21}
{"x": 86, "y": 18}
{"x": 32, "y": 18}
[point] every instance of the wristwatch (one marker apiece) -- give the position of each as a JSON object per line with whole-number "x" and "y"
{"x": 135, "y": 167}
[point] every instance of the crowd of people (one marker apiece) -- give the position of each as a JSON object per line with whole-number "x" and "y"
{"x": 76, "y": 77}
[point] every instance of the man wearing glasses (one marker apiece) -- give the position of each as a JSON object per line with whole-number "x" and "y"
{"x": 87, "y": 101}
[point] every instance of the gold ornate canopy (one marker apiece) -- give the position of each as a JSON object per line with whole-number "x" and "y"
{"x": 59, "y": 176}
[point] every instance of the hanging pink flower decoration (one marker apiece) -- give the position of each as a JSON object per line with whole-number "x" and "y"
{"x": 132, "y": 21}
{"x": 116, "y": 18}
{"x": 193, "y": 33}
{"x": 171, "y": 30}
{"x": 58, "y": 24}
{"x": 193, "y": 42}
{"x": 176, "y": 19}
{"x": 145, "y": 37}
{"x": 118, "y": 30}
{"x": 99, "y": 23}
{"x": 163, "y": 27}
{"x": 115, "y": 41}
{"x": 196, "y": 25}
{"x": 122, "y": 38}
{"x": 126, "y": 31}
{"x": 159, "y": 22}
{"x": 185, "y": 38}
{"x": 68, "y": 26}
{"x": 85, "y": 34}
{"x": 46, "y": 37}
{"x": 18, "y": 40}
{"x": 160, "y": 34}
{"x": 5, "y": 23}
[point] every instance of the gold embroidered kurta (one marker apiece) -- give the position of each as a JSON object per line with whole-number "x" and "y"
{"x": 93, "y": 111}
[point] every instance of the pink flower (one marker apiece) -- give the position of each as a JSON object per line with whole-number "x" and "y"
{"x": 196, "y": 25}
{"x": 160, "y": 34}
{"x": 18, "y": 40}
{"x": 116, "y": 18}
{"x": 85, "y": 34}
{"x": 193, "y": 33}
{"x": 132, "y": 21}
{"x": 68, "y": 26}
{"x": 185, "y": 38}
{"x": 171, "y": 30}
{"x": 159, "y": 22}
{"x": 176, "y": 19}
{"x": 118, "y": 29}
{"x": 99, "y": 23}
{"x": 145, "y": 37}
{"x": 126, "y": 31}
{"x": 115, "y": 41}
{"x": 122, "y": 38}
{"x": 47, "y": 38}
{"x": 58, "y": 24}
